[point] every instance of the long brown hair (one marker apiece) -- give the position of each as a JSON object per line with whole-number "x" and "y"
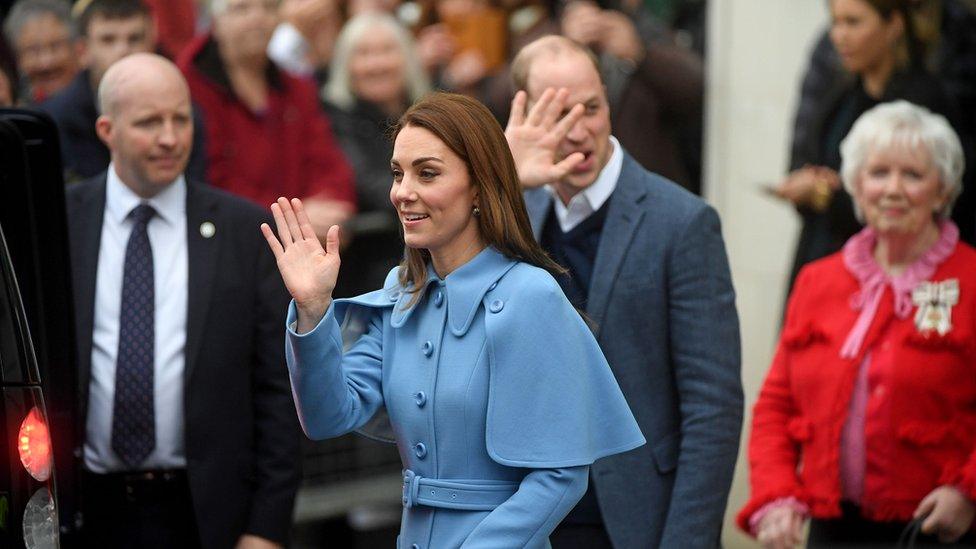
{"x": 471, "y": 132}
{"x": 911, "y": 51}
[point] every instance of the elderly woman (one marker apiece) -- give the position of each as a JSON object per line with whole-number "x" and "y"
{"x": 867, "y": 418}
{"x": 497, "y": 392}
{"x": 265, "y": 133}
{"x": 374, "y": 76}
{"x": 882, "y": 56}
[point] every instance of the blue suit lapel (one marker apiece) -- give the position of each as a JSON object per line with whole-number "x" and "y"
{"x": 537, "y": 203}
{"x": 623, "y": 218}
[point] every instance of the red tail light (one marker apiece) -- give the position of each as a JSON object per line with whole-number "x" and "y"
{"x": 34, "y": 445}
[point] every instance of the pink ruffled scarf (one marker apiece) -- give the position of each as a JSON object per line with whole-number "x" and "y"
{"x": 859, "y": 260}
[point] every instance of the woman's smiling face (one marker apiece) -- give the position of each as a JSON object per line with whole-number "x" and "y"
{"x": 899, "y": 190}
{"x": 433, "y": 195}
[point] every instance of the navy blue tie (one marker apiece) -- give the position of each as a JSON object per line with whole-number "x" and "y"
{"x": 133, "y": 416}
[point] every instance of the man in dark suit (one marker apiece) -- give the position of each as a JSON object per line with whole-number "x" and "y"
{"x": 647, "y": 264}
{"x": 191, "y": 437}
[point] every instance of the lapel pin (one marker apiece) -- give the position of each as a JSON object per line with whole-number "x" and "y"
{"x": 207, "y": 229}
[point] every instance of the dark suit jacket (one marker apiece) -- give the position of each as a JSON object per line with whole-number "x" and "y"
{"x": 242, "y": 437}
{"x": 662, "y": 303}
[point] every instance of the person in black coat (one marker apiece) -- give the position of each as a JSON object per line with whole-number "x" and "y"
{"x": 109, "y": 30}
{"x": 882, "y": 59}
{"x": 374, "y": 77}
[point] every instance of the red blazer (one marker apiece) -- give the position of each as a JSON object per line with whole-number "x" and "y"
{"x": 920, "y": 424}
{"x": 288, "y": 150}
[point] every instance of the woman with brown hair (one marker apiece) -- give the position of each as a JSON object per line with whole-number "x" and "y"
{"x": 497, "y": 393}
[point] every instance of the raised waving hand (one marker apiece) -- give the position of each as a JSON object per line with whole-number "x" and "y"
{"x": 308, "y": 270}
{"x": 534, "y": 137}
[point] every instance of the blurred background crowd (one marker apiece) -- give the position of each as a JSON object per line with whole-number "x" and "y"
{"x": 295, "y": 98}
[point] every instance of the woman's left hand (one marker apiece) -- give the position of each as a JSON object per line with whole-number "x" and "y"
{"x": 950, "y": 513}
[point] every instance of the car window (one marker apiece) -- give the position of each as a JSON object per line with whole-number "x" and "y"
{"x": 13, "y": 362}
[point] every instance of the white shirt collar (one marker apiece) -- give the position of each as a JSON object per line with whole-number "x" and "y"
{"x": 592, "y": 198}
{"x": 170, "y": 203}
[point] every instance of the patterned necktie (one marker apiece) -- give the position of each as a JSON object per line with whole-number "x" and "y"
{"x": 133, "y": 416}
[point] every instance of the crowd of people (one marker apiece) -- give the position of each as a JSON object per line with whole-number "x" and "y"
{"x": 532, "y": 297}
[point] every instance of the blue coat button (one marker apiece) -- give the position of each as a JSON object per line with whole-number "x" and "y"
{"x": 427, "y": 348}
{"x": 496, "y": 306}
{"x": 438, "y": 299}
{"x": 414, "y": 546}
{"x": 420, "y": 450}
{"x": 420, "y": 398}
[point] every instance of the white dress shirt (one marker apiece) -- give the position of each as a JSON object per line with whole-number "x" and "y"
{"x": 589, "y": 200}
{"x": 167, "y": 236}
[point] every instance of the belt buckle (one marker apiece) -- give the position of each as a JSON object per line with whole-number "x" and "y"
{"x": 411, "y": 487}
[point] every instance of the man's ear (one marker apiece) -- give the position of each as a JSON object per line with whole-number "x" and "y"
{"x": 81, "y": 52}
{"x": 104, "y": 128}
{"x": 896, "y": 26}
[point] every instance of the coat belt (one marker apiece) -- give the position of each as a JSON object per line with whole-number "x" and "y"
{"x": 467, "y": 495}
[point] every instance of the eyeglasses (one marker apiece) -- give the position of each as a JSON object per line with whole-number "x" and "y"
{"x": 55, "y": 47}
{"x": 245, "y": 7}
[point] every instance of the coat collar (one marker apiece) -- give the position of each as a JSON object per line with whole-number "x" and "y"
{"x": 624, "y": 215}
{"x": 465, "y": 288}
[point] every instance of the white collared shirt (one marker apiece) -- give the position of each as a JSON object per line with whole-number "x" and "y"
{"x": 167, "y": 236}
{"x": 589, "y": 200}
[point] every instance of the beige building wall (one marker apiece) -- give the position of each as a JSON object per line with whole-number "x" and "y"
{"x": 757, "y": 52}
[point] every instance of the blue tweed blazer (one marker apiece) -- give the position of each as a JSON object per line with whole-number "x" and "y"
{"x": 663, "y": 307}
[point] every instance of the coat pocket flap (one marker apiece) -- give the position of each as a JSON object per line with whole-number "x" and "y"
{"x": 666, "y": 453}
{"x": 927, "y": 433}
{"x": 804, "y": 334}
{"x": 953, "y": 341}
{"x": 800, "y": 429}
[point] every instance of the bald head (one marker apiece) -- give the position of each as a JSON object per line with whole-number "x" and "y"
{"x": 133, "y": 75}
{"x": 146, "y": 121}
{"x": 547, "y": 48}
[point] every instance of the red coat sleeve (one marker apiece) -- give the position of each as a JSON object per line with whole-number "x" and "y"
{"x": 176, "y": 22}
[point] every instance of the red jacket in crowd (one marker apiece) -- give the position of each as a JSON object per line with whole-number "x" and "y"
{"x": 176, "y": 22}
{"x": 920, "y": 421}
{"x": 287, "y": 150}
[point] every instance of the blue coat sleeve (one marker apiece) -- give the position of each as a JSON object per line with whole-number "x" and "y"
{"x": 335, "y": 392}
{"x": 702, "y": 301}
{"x": 526, "y": 519}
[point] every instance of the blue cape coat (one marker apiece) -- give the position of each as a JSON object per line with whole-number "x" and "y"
{"x": 553, "y": 400}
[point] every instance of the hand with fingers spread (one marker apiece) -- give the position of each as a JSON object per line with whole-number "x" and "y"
{"x": 308, "y": 270}
{"x": 534, "y": 137}
{"x": 948, "y": 513}
{"x": 781, "y": 528}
